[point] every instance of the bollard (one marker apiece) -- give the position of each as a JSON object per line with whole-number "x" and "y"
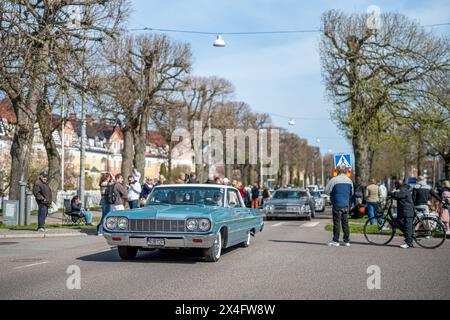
{"x": 22, "y": 203}
{"x": 28, "y": 208}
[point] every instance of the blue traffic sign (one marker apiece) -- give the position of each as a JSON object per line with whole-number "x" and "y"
{"x": 345, "y": 159}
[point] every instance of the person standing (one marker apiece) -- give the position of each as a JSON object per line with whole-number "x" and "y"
{"x": 43, "y": 195}
{"x": 405, "y": 211}
{"x": 181, "y": 179}
{"x": 372, "y": 195}
{"x": 265, "y": 196}
{"x": 147, "y": 188}
{"x": 119, "y": 193}
{"x": 358, "y": 196}
{"x": 383, "y": 194}
{"x": 340, "y": 190}
{"x": 134, "y": 192}
{"x": 255, "y": 197}
{"x": 422, "y": 194}
{"x": 105, "y": 182}
{"x": 193, "y": 178}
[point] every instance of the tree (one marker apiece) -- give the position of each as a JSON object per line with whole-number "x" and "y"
{"x": 142, "y": 69}
{"x": 368, "y": 71}
{"x": 32, "y": 34}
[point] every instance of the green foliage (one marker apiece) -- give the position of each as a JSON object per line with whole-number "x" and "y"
{"x": 163, "y": 170}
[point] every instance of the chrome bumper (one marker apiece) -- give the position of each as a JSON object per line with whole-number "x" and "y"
{"x": 170, "y": 241}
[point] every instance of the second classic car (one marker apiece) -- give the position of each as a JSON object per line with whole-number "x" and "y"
{"x": 290, "y": 203}
{"x": 208, "y": 217}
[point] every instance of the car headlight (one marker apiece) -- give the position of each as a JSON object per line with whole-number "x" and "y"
{"x": 268, "y": 207}
{"x": 204, "y": 225}
{"x": 111, "y": 223}
{"x": 123, "y": 224}
{"x": 192, "y": 224}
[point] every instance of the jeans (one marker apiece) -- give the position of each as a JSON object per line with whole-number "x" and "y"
{"x": 42, "y": 214}
{"x": 106, "y": 208}
{"x": 87, "y": 215}
{"x": 372, "y": 212}
{"x": 340, "y": 215}
{"x": 133, "y": 204}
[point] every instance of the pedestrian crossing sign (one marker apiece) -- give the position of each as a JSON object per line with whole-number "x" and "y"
{"x": 343, "y": 159}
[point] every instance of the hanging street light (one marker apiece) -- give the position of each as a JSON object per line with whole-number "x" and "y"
{"x": 219, "y": 42}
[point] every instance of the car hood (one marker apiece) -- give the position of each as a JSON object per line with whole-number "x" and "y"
{"x": 287, "y": 201}
{"x": 166, "y": 212}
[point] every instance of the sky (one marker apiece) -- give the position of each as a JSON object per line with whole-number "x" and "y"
{"x": 278, "y": 74}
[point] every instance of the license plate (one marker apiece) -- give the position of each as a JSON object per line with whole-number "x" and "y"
{"x": 292, "y": 209}
{"x": 155, "y": 242}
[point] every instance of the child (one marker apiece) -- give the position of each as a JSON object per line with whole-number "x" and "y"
{"x": 444, "y": 212}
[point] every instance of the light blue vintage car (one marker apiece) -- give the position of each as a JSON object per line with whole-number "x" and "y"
{"x": 209, "y": 217}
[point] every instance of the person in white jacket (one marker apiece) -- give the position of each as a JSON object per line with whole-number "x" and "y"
{"x": 134, "y": 189}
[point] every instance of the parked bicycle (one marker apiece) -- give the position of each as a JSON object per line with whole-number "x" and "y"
{"x": 428, "y": 231}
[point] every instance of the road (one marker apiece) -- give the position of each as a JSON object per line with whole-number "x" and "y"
{"x": 289, "y": 260}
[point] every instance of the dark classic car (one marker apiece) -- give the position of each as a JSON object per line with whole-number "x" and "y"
{"x": 290, "y": 203}
{"x": 208, "y": 217}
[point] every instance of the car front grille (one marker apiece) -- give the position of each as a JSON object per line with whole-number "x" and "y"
{"x": 157, "y": 225}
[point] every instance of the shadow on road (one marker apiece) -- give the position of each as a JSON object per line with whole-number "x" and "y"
{"x": 326, "y": 244}
{"x": 154, "y": 256}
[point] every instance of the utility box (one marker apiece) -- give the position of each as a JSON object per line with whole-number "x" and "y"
{"x": 10, "y": 212}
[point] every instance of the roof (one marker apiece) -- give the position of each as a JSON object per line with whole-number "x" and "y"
{"x": 155, "y": 138}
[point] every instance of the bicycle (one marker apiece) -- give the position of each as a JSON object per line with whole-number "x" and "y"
{"x": 428, "y": 231}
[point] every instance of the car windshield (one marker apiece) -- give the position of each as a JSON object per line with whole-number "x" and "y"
{"x": 187, "y": 196}
{"x": 289, "y": 194}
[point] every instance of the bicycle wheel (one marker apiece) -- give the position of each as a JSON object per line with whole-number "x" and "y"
{"x": 379, "y": 234}
{"x": 429, "y": 233}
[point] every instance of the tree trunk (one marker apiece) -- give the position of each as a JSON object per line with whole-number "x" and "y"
{"x": 447, "y": 167}
{"x": 140, "y": 139}
{"x": 54, "y": 158}
{"x": 362, "y": 155}
{"x": 22, "y": 144}
{"x": 127, "y": 152}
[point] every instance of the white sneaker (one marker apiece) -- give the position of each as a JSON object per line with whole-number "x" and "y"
{"x": 41, "y": 230}
{"x": 346, "y": 244}
{"x": 100, "y": 234}
{"x": 333, "y": 244}
{"x": 448, "y": 233}
{"x": 385, "y": 228}
{"x": 405, "y": 246}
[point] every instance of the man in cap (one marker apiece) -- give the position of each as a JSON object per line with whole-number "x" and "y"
{"x": 340, "y": 190}
{"x": 43, "y": 195}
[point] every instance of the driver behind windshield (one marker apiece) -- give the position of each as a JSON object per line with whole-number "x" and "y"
{"x": 218, "y": 199}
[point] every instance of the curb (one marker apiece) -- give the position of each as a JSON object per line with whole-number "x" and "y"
{"x": 41, "y": 236}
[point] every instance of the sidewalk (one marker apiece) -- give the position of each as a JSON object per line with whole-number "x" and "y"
{"x": 54, "y": 219}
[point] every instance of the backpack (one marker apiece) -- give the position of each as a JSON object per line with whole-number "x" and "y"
{"x": 110, "y": 194}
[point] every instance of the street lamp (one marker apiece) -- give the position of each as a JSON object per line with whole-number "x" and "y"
{"x": 219, "y": 42}
{"x": 321, "y": 159}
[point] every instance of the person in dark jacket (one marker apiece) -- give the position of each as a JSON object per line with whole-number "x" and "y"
{"x": 43, "y": 195}
{"x": 76, "y": 208}
{"x": 255, "y": 197}
{"x": 405, "y": 210}
{"x": 147, "y": 188}
{"x": 193, "y": 178}
{"x": 422, "y": 194}
{"x": 340, "y": 190}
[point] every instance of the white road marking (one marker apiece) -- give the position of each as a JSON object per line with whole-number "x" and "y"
{"x": 31, "y": 265}
{"x": 278, "y": 224}
{"x": 310, "y": 224}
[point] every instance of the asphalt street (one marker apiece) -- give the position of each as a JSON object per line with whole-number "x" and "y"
{"x": 290, "y": 259}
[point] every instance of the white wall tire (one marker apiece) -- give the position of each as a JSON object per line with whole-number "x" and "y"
{"x": 213, "y": 254}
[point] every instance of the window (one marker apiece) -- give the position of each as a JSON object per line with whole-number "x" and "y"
{"x": 233, "y": 199}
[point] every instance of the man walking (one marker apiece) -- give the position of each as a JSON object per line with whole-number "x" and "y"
{"x": 134, "y": 192}
{"x": 405, "y": 211}
{"x": 43, "y": 195}
{"x": 340, "y": 190}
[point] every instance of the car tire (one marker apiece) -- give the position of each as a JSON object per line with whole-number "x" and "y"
{"x": 213, "y": 254}
{"x": 127, "y": 253}
{"x": 247, "y": 242}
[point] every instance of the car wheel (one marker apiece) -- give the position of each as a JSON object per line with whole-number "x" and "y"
{"x": 246, "y": 243}
{"x": 127, "y": 253}
{"x": 213, "y": 254}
